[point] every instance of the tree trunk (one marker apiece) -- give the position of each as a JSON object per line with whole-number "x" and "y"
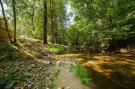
{"x": 6, "y": 24}
{"x": 55, "y": 27}
{"x": 33, "y": 14}
{"x": 63, "y": 35}
{"x": 52, "y": 19}
{"x": 45, "y": 23}
{"x": 14, "y": 14}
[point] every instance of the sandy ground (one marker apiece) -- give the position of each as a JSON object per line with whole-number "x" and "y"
{"x": 66, "y": 78}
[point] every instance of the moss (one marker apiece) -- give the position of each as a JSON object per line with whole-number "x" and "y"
{"x": 56, "y": 48}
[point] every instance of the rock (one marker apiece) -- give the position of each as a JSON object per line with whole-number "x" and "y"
{"x": 33, "y": 65}
{"x": 45, "y": 62}
{"x": 123, "y": 50}
{"x": 10, "y": 85}
{"x": 28, "y": 74}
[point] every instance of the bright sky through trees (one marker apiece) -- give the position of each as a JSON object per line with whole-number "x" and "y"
{"x": 5, "y": 7}
{"x": 70, "y": 14}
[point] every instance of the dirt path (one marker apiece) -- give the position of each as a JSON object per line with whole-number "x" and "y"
{"x": 66, "y": 78}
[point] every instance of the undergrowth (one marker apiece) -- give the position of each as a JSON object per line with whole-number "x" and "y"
{"x": 8, "y": 52}
{"x": 56, "y": 72}
{"x": 12, "y": 75}
{"x": 81, "y": 72}
{"x": 56, "y": 48}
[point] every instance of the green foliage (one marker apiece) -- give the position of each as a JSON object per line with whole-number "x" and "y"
{"x": 98, "y": 20}
{"x": 85, "y": 39}
{"x": 94, "y": 21}
{"x": 7, "y": 52}
{"x": 13, "y": 75}
{"x": 81, "y": 72}
{"x": 56, "y": 48}
{"x": 30, "y": 15}
{"x": 52, "y": 85}
{"x": 56, "y": 72}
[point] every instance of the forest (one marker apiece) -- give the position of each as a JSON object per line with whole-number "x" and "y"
{"x": 67, "y": 44}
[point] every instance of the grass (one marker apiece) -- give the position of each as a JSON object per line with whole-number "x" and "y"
{"x": 56, "y": 48}
{"x": 52, "y": 85}
{"x": 81, "y": 72}
{"x": 56, "y": 72}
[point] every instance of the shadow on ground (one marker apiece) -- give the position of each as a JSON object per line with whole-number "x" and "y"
{"x": 107, "y": 71}
{"x": 112, "y": 71}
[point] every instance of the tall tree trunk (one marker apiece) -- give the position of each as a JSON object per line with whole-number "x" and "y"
{"x": 45, "y": 23}
{"x": 52, "y": 19}
{"x": 6, "y": 24}
{"x": 33, "y": 14}
{"x": 55, "y": 27}
{"x": 14, "y": 14}
{"x": 63, "y": 35}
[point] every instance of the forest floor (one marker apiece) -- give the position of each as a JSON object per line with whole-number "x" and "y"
{"x": 33, "y": 66}
{"x": 66, "y": 78}
{"x": 36, "y": 67}
{"x": 28, "y": 67}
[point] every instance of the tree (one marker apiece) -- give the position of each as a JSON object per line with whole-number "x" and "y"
{"x": 52, "y": 19}
{"x": 33, "y": 13}
{"x": 104, "y": 20}
{"x": 14, "y": 15}
{"x": 45, "y": 22}
{"x": 58, "y": 17}
{"x": 37, "y": 20}
{"x": 6, "y": 24}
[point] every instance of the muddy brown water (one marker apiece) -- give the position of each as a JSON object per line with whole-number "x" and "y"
{"x": 108, "y": 71}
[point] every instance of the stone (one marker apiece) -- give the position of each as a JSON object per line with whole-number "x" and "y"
{"x": 33, "y": 65}
{"x": 28, "y": 74}
{"x": 123, "y": 50}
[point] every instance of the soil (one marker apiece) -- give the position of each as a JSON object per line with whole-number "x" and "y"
{"x": 66, "y": 78}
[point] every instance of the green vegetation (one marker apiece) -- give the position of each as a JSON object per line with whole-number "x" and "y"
{"x": 13, "y": 75}
{"x": 34, "y": 32}
{"x": 92, "y": 22}
{"x": 81, "y": 72}
{"x": 97, "y": 21}
{"x": 8, "y": 52}
{"x": 56, "y": 72}
{"x": 52, "y": 85}
{"x": 56, "y": 48}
